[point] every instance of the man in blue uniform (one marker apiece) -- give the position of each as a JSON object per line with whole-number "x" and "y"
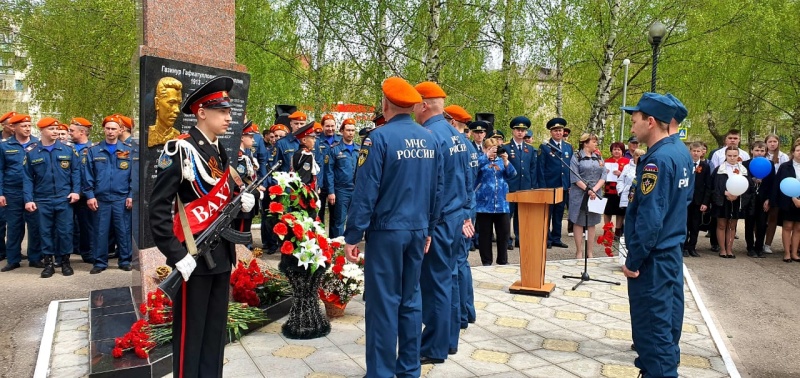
{"x": 286, "y": 147}
{"x": 458, "y": 118}
{"x": 477, "y": 131}
{"x": 397, "y": 161}
{"x": 440, "y": 297}
{"x": 12, "y": 155}
{"x": 107, "y": 186}
{"x": 553, "y": 167}
{"x": 7, "y": 133}
{"x": 523, "y": 157}
{"x": 83, "y": 221}
{"x": 340, "y": 170}
{"x": 654, "y": 263}
{"x": 325, "y": 140}
{"x": 51, "y": 182}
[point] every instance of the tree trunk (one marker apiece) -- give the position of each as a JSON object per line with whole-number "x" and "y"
{"x": 506, "y": 68}
{"x": 597, "y": 115}
{"x": 711, "y": 124}
{"x": 432, "y": 65}
{"x": 319, "y": 58}
{"x": 559, "y": 79}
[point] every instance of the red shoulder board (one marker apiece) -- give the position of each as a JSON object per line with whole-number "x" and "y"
{"x": 183, "y": 136}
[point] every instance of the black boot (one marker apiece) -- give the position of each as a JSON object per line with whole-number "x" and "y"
{"x": 65, "y": 268}
{"x": 49, "y": 269}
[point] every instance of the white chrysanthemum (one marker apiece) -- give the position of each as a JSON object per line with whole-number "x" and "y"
{"x": 338, "y": 239}
{"x": 350, "y": 270}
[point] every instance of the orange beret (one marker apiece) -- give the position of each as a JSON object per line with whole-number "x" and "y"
{"x": 400, "y": 92}
{"x": 277, "y": 127}
{"x": 126, "y": 121}
{"x": 81, "y": 122}
{"x": 458, "y": 113}
{"x": 112, "y": 118}
{"x": 47, "y": 122}
{"x": 6, "y": 116}
{"x": 327, "y": 117}
{"x": 17, "y": 118}
{"x": 429, "y": 89}
{"x": 298, "y": 116}
{"x": 63, "y": 126}
{"x": 317, "y": 127}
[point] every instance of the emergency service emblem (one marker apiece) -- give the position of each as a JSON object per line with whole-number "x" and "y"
{"x": 123, "y": 165}
{"x": 164, "y": 161}
{"x": 362, "y": 156}
{"x": 326, "y": 159}
{"x": 649, "y": 178}
{"x": 65, "y": 164}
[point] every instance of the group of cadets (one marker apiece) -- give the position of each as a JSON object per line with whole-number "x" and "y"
{"x": 71, "y": 196}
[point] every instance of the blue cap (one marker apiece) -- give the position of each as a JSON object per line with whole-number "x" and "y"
{"x": 498, "y": 133}
{"x": 557, "y": 123}
{"x": 520, "y": 122}
{"x": 478, "y": 126}
{"x": 680, "y": 112}
{"x": 655, "y": 105}
{"x": 529, "y": 134}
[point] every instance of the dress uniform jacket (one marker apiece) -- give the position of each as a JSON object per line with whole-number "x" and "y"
{"x": 524, "y": 161}
{"x": 284, "y": 151}
{"x": 551, "y": 172}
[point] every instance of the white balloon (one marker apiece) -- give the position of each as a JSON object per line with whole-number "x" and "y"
{"x": 737, "y": 185}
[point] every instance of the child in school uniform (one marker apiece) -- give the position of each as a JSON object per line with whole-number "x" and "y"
{"x": 701, "y": 199}
{"x": 728, "y": 208}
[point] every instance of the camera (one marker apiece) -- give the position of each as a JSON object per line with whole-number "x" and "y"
{"x": 501, "y": 150}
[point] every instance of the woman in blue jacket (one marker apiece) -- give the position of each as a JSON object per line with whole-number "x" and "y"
{"x": 490, "y": 201}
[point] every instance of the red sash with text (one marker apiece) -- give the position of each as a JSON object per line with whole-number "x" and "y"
{"x": 204, "y": 210}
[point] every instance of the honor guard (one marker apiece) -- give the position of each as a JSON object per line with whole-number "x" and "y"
{"x": 523, "y": 157}
{"x": 7, "y": 132}
{"x": 304, "y": 161}
{"x": 325, "y": 140}
{"x": 441, "y": 295}
{"x": 458, "y": 118}
{"x": 193, "y": 173}
{"x": 397, "y": 161}
{"x": 248, "y": 168}
{"x": 340, "y": 169}
{"x": 107, "y": 186}
{"x": 553, "y": 172}
{"x": 656, "y": 219}
{"x": 51, "y": 182}
{"x": 286, "y": 147}
{"x": 83, "y": 221}
{"x": 268, "y": 238}
{"x": 12, "y": 155}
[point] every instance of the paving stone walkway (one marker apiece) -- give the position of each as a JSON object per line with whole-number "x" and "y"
{"x": 581, "y": 333}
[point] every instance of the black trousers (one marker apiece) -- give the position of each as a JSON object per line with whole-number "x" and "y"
{"x": 269, "y": 240}
{"x": 712, "y": 230}
{"x": 202, "y": 309}
{"x": 755, "y": 227}
{"x": 694, "y": 217}
{"x": 500, "y": 221}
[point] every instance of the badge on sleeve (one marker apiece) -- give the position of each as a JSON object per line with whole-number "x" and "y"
{"x": 362, "y": 156}
{"x": 649, "y": 178}
{"x": 164, "y": 161}
{"x": 326, "y": 159}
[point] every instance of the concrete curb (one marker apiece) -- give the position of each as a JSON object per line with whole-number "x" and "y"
{"x": 42, "y": 369}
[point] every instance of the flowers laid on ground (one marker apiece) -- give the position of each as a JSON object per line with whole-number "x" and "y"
{"x": 303, "y": 235}
{"x": 607, "y": 240}
{"x": 345, "y": 279}
{"x": 154, "y": 329}
{"x": 256, "y": 287}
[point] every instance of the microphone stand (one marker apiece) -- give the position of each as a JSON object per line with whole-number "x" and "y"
{"x": 584, "y": 277}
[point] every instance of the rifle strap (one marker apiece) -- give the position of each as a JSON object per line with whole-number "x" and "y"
{"x": 187, "y": 230}
{"x": 236, "y": 178}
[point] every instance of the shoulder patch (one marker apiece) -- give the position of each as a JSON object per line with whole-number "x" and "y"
{"x": 164, "y": 161}
{"x": 649, "y": 180}
{"x": 362, "y": 156}
{"x": 650, "y": 168}
{"x": 366, "y": 142}
{"x": 327, "y": 159}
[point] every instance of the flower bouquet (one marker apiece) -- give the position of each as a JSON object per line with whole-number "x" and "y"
{"x": 607, "y": 241}
{"x": 343, "y": 282}
{"x": 305, "y": 253}
{"x": 256, "y": 287}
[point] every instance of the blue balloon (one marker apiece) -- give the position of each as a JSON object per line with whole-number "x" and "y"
{"x": 790, "y": 187}
{"x": 760, "y": 167}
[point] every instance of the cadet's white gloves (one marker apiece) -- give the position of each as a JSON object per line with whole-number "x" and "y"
{"x": 186, "y": 266}
{"x": 248, "y": 201}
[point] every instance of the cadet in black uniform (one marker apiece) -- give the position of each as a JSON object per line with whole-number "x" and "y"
{"x": 194, "y": 169}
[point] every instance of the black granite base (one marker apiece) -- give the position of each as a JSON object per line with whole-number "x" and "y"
{"x": 111, "y": 314}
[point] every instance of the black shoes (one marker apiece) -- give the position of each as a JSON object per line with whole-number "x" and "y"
{"x": 510, "y": 247}
{"x": 693, "y": 253}
{"x": 714, "y": 248}
{"x": 549, "y": 246}
{"x": 49, "y": 269}
{"x": 126, "y": 268}
{"x": 36, "y": 264}
{"x": 685, "y": 253}
{"x": 96, "y": 270}
{"x": 13, "y": 266}
{"x": 427, "y": 360}
{"x": 452, "y": 351}
{"x": 66, "y": 269}
{"x": 560, "y": 245}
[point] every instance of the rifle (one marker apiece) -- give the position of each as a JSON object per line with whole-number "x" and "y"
{"x": 209, "y": 238}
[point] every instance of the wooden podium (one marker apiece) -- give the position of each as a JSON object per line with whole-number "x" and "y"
{"x": 534, "y": 208}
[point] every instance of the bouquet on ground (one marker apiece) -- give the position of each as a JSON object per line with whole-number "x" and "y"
{"x": 256, "y": 287}
{"x": 607, "y": 241}
{"x": 344, "y": 280}
{"x": 295, "y": 205}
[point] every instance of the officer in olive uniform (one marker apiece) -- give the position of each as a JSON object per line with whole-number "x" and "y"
{"x": 553, "y": 171}
{"x": 201, "y": 310}
{"x": 523, "y": 157}
{"x": 340, "y": 170}
{"x": 107, "y": 186}
{"x": 656, "y": 215}
{"x": 51, "y": 182}
{"x": 12, "y": 154}
{"x": 397, "y": 160}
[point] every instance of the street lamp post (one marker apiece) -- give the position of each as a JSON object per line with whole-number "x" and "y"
{"x": 626, "y": 63}
{"x": 654, "y": 36}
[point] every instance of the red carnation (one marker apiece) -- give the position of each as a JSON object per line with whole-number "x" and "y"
{"x": 140, "y": 352}
{"x": 337, "y": 269}
{"x": 298, "y": 231}
{"x": 280, "y": 229}
{"x": 335, "y": 244}
{"x": 275, "y": 190}
{"x": 287, "y": 248}
{"x": 609, "y": 252}
{"x": 276, "y": 207}
{"x": 322, "y": 241}
{"x": 116, "y": 352}
{"x": 313, "y": 204}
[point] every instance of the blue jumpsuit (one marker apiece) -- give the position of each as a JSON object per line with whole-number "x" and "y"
{"x": 340, "y": 170}
{"x": 284, "y": 150}
{"x": 12, "y": 153}
{"x": 440, "y": 299}
{"x": 2, "y": 227}
{"x": 83, "y": 219}
{"x": 323, "y": 148}
{"x": 466, "y": 294}
{"x": 399, "y": 191}
{"x": 50, "y": 175}
{"x": 524, "y": 161}
{"x": 553, "y": 174}
{"x": 107, "y": 178}
{"x": 654, "y": 240}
